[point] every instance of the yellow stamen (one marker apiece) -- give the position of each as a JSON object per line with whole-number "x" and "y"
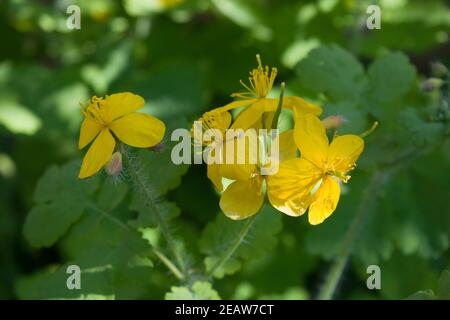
{"x": 372, "y": 129}
{"x": 96, "y": 111}
{"x": 260, "y": 82}
{"x": 209, "y": 121}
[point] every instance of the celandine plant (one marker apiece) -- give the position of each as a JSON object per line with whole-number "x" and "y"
{"x": 121, "y": 227}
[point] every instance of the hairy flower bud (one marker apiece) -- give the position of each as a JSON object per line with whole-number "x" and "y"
{"x": 114, "y": 166}
{"x": 333, "y": 122}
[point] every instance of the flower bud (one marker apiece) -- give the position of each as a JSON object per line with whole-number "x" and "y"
{"x": 438, "y": 69}
{"x": 431, "y": 84}
{"x": 114, "y": 166}
{"x": 333, "y": 122}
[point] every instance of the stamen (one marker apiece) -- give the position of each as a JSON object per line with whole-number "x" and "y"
{"x": 372, "y": 129}
{"x": 260, "y": 81}
{"x": 211, "y": 120}
{"x": 258, "y": 59}
{"x": 95, "y": 111}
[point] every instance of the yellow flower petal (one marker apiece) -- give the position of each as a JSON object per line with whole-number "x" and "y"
{"x": 235, "y": 104}
{"x": 311, "y": 139}
{"x": 231, "y": 168}
{"x": 241, "y": 172}
{"x": 325, "y": 201}
{"x": 344, "y": 151}
{"x": 287, "y": 146}
{"x": 242, "y": 199}
{"x": 252, "y": 115}
{"x": 98, "y": 155}
{"x": 120, "y": 104}
{"x": 139, "y": 130}
{"x": 289, "y": 190}
{"x": 89, "y": 130}
{"x": 213, "y": 173}
{"x": 299, "y": 106}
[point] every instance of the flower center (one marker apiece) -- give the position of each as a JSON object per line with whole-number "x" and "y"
{"x": 260, "y": 82}
{"x": 340, "y": 175}
{"x": 96, "y": 111}
{"x": 206, "y": 129}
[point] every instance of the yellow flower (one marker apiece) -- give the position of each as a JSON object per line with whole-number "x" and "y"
{"x": 312, "y": 180}
{"x": 115, "y": 114}
{"x": 212, "y": 120}
{"x": 256, "y": 102}
{"x": 244, "y": 197}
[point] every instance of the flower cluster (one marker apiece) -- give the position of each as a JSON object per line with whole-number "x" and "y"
{"x": 309, "y": 168}
{"x": 309, "y": 181}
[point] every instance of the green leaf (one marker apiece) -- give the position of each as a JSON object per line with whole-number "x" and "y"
{"x": 250, "y": 242}
{"x": 417, "y": 131}
{"x": 111, "y": 194}
{"x": 99, "y": 241}
{"x": 168, "y": 210}
{"x": 399, "y": 217}
{"x": 61, "y": 198}
{"x": 390, "y": 77}
{"x": 231, "y": 266}
{"x": 443, "y": 290}
{"x": 332, "y": 71}
{"x": 422, "y": 295}
{"x": 200, "y": 290}
{"x": 52, "y": 284}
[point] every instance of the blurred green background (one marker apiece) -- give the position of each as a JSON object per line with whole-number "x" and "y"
{"x": 187, "y": 56}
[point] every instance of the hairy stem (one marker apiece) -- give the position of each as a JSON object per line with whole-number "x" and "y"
{"x": 335, "y": 273}
{"x": 150, "y": 201}
{"x": 233, "y": 246}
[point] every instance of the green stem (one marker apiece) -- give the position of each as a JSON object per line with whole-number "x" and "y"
{"x": 279, "y": 107}
{"x": 169, "y": 264}
{"x": 166, "y": 261}
{"x": 233, "y": 247}
{"x": 163, "y": 227}
{"x": 334, "y": 275}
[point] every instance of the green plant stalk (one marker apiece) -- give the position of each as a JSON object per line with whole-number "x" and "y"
{"x": 163, "y": 227}
{"x": 233, "y": 247}
{"x": 334, "y": 275}
{"x": 166, "y": 261}
{"x": 279, "y": 107}
{"x": 173, "y": 268}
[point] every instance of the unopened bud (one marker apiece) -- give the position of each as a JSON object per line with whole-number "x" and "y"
{"x": 431, "y": 84}
{"x": 114, "y": 166}
{"x": 438, "y": 69}
{"x": 157, "y": 147}
{"x": 333, "y": 122}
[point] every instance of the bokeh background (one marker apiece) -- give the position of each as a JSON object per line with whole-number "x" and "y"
{"x": 187, "y": 56}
